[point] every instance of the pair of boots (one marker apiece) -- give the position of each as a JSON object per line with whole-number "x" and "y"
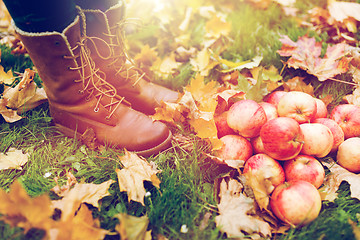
{"x": 91, "y": 84}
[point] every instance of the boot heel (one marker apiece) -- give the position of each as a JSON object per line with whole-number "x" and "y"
{"x": 65, "y": 130}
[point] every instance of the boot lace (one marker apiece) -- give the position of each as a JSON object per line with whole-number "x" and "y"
{"x": 93, "y": 80}
{"x": 124, "y": 65}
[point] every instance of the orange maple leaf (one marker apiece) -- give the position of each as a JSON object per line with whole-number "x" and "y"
{"x": 305, "y": 54}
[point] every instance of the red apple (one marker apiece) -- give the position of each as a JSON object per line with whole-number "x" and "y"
{"x": 270, "y": 110}
{"x": 297, "y": 105}
{"x": 348, "y": 118}
{"x": 265, "y": 166}
{"x": 318, "y": 139}
{"x": 304, "y": 167}
{"x": 348, "y": 154}
{"x": 222, "y": 126}
{"x": 282, "y": 138}
{"x": 296, "y": 202}
{"x": 274, "y": 97}
{"x": 335, "y": 129}
{"x": 235, "y": 147}
{"x": 246, "y": 117}
{"x": 257, "y": 144}
{"x": 321, "y": 110}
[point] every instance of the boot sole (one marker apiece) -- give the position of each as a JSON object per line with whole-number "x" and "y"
{"x": 145, "y": 153}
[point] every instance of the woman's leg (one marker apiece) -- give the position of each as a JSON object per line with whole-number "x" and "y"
{"x": 102, "y": 5}
{"x": 41, "y": 15}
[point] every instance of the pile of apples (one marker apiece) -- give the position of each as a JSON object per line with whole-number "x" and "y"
{"x": 287, "y": 134}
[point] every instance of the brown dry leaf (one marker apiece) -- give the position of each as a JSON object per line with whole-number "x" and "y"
{"x": 356, "y": 229}
{"x": 305, "y": 54}
{"x": 334, "y": 179}
{"x": 8, "y": 114}
{"x": 297, "y": 84}
{"x": 131, "y": 178}
{"x": 354, "y": 97}
{"x": 261, "y": 186}
{"x": 133, "y": 228}
{"x": 29, "y": 212}
{"x": 81, "y": 193}
{"x": 13, "y": 159}
{"x": 237, "y": 214}
{"x": 63, "y": 190}
{"x": 25, "y": 95}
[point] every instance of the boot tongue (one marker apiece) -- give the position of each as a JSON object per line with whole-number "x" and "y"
{"x": 116, "y": 14}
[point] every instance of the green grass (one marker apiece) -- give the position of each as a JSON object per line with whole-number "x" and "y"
{"x": 186, "y": 192}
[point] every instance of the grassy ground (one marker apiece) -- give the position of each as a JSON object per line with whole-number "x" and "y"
{"x": 187, "y": 177}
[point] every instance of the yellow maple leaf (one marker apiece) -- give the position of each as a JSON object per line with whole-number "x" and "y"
{"x": 80, "y": 226}
{"x": 207, "y": 130}
{"x": 131, "y": 178}
{"x": 202, "y": 63}
{"x": 21, "y": 210}
{"x": 165, "y": 67}
{"x": 6, "y": 77}
{"x": 147, "y": 55}
{"x": 133, "y": 228}
{"x": 80, "y": 193}
{"x": 169, "y": 112}
{"x": 217, "y": 26}
{"x": 203, "y": 94}
{"x": 14, "y": 158}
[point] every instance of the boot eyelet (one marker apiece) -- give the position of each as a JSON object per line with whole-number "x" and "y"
{"x": 57, "y": 43}
{"x": 107, "y": 118}
{"x": 87, "y": 99}
{"x": 81, "y": 92}
{"x": 96, "y": 110}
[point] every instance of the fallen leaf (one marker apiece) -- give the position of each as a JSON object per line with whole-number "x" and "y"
{"x": 6, "y": 77}
{"x": 79, "y": 226}
{"x": 335, "y": 177}
{"x": 25, "y": 95}
{"x": 217, "y": 26}
{"x": 341, "y": 11}
{"x": 29, "y": 212}
{"x": 133, "y": 228}
{"x": 63, "y": 190}
{"x": 131, "y": 178}
{"x": 202, "y": 63}
{"x": 237, "y": 215}
{"x": 305, "y": 54}
{"x": 81, "y": 193}
{"x": 260, "y": 183}
{"x": 165, "y": 67}
{"x": 297, "y": 84}
{"x": 355, "y": 228}
{"x": 229, "y": 66}
{"x": 13, "y": 159}
{"x": 147, "y": 56}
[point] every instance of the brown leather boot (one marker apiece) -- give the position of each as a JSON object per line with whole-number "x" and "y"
{"x": 80, "y": 99}
{"x": 109, "y": 53}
